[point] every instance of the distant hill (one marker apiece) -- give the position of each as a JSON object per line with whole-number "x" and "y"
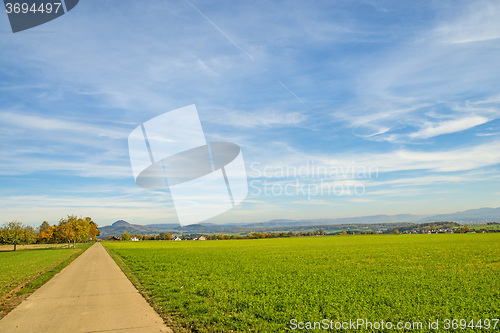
{"x": 374, "y": 223}
{"x": 481, "y": 215}
{"x": 121, "y": 226}
{"x": 347, "y": 220}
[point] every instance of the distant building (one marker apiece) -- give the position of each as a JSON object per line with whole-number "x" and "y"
{"x": 202, "y": 238}
{"x": 134, "y": 239}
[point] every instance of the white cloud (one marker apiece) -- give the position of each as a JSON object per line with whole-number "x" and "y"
{"x": 449, "y": 126}
{"x": 32, "y": 122}
{"x": 457, "y": 159}
{"x": 36, "y": 143}
{"x": 436, "y": 74}
{"x": 443, "y": 178}
{"x": 63, "y": 89}
{"x": 361, "y": 200}
{"x": 479, "y": 23}
{"x": 103, "y": 206}
{"x": 442, "y": 160}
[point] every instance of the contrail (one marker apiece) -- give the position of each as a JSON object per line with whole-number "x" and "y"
{"x": 297, "y": 97}
{"x": 219, "y": 29}
{"x": 240, "y": 48}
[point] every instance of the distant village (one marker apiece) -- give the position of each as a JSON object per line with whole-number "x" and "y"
{"x": 424, "y": 228}
{"x": 137, "y": 238}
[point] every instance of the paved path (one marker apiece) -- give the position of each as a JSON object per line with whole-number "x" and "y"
{"x": 90, "y": 295}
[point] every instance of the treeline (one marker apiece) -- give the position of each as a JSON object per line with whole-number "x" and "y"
{"x": 258, "y": 235}
{"x": 331, "y": 229}
{"x": 254, "y": 235}
{"x": 431, "y": 227}
{"x": 423, "y": 227}
{"x": 126, "y": 236}
{"x": 71, "y": 229}
{"x": 319, "y": 232}
{"x": 15, "y": 233}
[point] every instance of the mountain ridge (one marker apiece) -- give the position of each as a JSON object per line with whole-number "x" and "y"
{"x": 479, "y": 215}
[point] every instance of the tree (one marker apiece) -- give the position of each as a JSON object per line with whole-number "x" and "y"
{"x": 81, "y": 228}
{"x": 48, "y": 236}
{"x": 29, "y": 235}
{"x": 15, "y": 233}
{"x": 93, "y": 231}
{"x": 462, "y": 230}
{"x": 64, "y": 231}
{"x": 44, "y": 227}
{"x": 126, "y": 236}
{"x": 396, "y": 232}
{"x": 74, "y": 229}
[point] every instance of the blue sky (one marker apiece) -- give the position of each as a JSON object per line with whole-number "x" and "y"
{"x": 403, "y": 93}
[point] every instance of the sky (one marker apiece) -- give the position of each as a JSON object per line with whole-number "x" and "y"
{"x": 341, "y": 108}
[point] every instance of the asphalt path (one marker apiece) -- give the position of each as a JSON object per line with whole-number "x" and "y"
{"x": 91, "y": 294}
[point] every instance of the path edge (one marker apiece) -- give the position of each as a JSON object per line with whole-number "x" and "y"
{"x": 19, "y": 296}
{"x": 167, "y": 318}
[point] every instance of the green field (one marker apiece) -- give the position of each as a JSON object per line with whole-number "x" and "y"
{"x": 260, "y": 285}
{"x": 486, "y": 226}
{"x": 23, "y": 266}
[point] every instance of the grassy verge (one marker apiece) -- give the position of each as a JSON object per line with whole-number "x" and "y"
{"x": 23, "y": 247}
{"x": 25, "y": 271}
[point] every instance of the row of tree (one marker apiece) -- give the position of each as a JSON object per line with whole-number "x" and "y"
{"x": 15, "y": 233}
{"x": 255, "y": 235}
{"x": 71, "y": 229}
{"x": 319, "y": 232}
{"x": 162, "y": 236}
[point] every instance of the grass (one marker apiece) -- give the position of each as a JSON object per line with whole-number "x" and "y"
{"x": 486, "y": 226}
{"x": 25, "y": 271}
{"x": 22, "y": 247}
{"x": 260, "y": 285}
